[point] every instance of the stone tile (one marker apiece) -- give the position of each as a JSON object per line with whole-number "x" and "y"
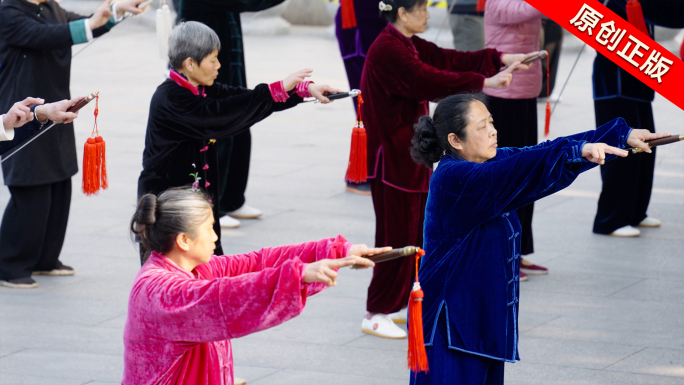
{"x": 653, "y": 290}
{"x": 614, "y": 331}
{"x": 253, "y": 373}
{"x": 528, "y": 320}
{"x": 13, "y": 379}
{"x": 523, "y": 373}
{"x": 64, "y": 365}
{"x": 659, "y": 362}
{"x": 58, "y": 336}
{"x": 318, "y": 358}
{"x": 581, "y": 354}
{"x": 307, "y": 377}
{"x": 573, "y": 282}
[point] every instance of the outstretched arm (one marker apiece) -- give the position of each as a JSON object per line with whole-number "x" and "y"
{"x": 259, "y": 290}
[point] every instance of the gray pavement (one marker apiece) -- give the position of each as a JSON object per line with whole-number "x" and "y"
{"x": 609, "y": 312}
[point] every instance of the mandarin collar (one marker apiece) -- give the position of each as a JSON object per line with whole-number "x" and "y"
{"x": 406, "y": 40}
{"x": 170, "y": 265}
{"x": 183, "y": 82}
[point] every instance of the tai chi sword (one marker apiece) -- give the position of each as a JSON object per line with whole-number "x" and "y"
{"x": 392, "y": 254}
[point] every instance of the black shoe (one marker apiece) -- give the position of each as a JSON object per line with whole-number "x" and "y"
{"x": 62, "y": 270}
{"x": 362, "y": 188}
{"x": 20, "y": 283}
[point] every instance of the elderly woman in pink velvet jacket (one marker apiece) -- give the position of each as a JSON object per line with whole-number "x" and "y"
{"x": 515, "y": 26}
{"x": 186, "y": 304}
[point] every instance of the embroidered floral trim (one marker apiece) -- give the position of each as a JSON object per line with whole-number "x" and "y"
{"x": 195, "y": 184}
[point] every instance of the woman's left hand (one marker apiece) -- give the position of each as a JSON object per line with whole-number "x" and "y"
{"x": 509, "y": 58}
{"x": 358, "y": 251}
{"x": 596, "y": 152}
{"x": 638, "y": 137}
{"x": 319, "y": 91}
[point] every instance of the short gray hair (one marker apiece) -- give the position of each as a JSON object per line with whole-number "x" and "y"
{"x": 190, "y": 39}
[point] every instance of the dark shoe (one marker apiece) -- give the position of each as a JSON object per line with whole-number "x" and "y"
{"x": 523, "y": 277}
{"x": 359, "y": 188}
{"x": 20, "y": 283}
{"x": 62, "y": 270}
{"x": 533, "y": 269}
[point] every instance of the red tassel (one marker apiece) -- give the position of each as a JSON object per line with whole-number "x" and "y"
{"x": 348, "y": 14}
{"x": 548, "y": 118}
{"x": 357, "y": 170}
{"x": 480, "y": 6}
{"x": 94, "y": 161}
{"x": 548, "y": 103}
{"x": 417, "y": 356}
{"x": 102, "y": 162}
{"x": 635, "y": 16}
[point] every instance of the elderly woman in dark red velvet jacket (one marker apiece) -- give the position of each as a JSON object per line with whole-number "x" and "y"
{"x": 401, "y": 74}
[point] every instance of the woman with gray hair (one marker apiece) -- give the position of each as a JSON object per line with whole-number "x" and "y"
{"x": 189, "y": 111}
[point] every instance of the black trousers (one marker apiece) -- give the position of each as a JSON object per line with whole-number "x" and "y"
{"x": 553, "y": 39}
{"x": 33, "y": 229}
{"x": 627, "y": 182}
{"x": 233, "y": 158}
{"x": 515, "y": 121}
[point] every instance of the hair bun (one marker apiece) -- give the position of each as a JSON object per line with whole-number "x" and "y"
{"x": 146, "y": 213}
{"x": 426, "y": 148}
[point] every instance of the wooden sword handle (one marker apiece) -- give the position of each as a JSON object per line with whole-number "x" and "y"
{"x": 392, "y": 254}
{"x": 82, "y": 103}
{"x": 659, "y": 142}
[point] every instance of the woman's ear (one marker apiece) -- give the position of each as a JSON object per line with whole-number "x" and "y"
{"x": 188, "y": 64}
{"x": 183, "y": 242}
{"x": 402, "y": 14}
{"x": 455, "y": 142}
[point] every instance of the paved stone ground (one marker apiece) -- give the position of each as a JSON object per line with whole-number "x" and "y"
{"x": 609, "y": 312}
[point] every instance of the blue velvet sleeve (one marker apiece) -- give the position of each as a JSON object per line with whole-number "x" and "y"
{"x": 614, "y": 133}
{"x": 520, "y": 177}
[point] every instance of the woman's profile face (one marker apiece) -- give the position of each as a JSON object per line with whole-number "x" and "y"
{"x": 206, "y": 72}
{"x": 480, "y": 143}
{"x": 203, "y": 245}
{"x": 416, "y": 20}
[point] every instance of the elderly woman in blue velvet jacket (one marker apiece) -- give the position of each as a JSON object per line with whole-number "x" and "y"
{"x": 471, "y": 270}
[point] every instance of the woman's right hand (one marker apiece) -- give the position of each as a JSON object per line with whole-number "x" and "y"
{"x": 101, "y": 15}
{"x": 292, "y": 80}
{"x": 322, "y": 271}
{"x": 638, "y": 137}
{"x": 596, "y": 152}
{"x": 503, "y": 78}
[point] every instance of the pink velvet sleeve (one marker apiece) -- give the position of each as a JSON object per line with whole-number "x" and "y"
{"x": 259, "y": 290}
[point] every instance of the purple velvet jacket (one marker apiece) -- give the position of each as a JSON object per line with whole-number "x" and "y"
{"x": 179, "y": 323}
{"x": 400, "y": 76}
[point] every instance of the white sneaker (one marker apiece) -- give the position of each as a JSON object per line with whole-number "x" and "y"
{"x": 246, "y": 212}
{"x": 650, "y": 222}
{"x": 382, "y": 326}
{"x": 626, "y": 231}
{"x": 399, "y": 317}
{"x": 227, "y": 222}
{"x": 239, "y": 381}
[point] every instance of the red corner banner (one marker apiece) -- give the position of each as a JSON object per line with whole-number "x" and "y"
{"x": 621, "y": 42}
